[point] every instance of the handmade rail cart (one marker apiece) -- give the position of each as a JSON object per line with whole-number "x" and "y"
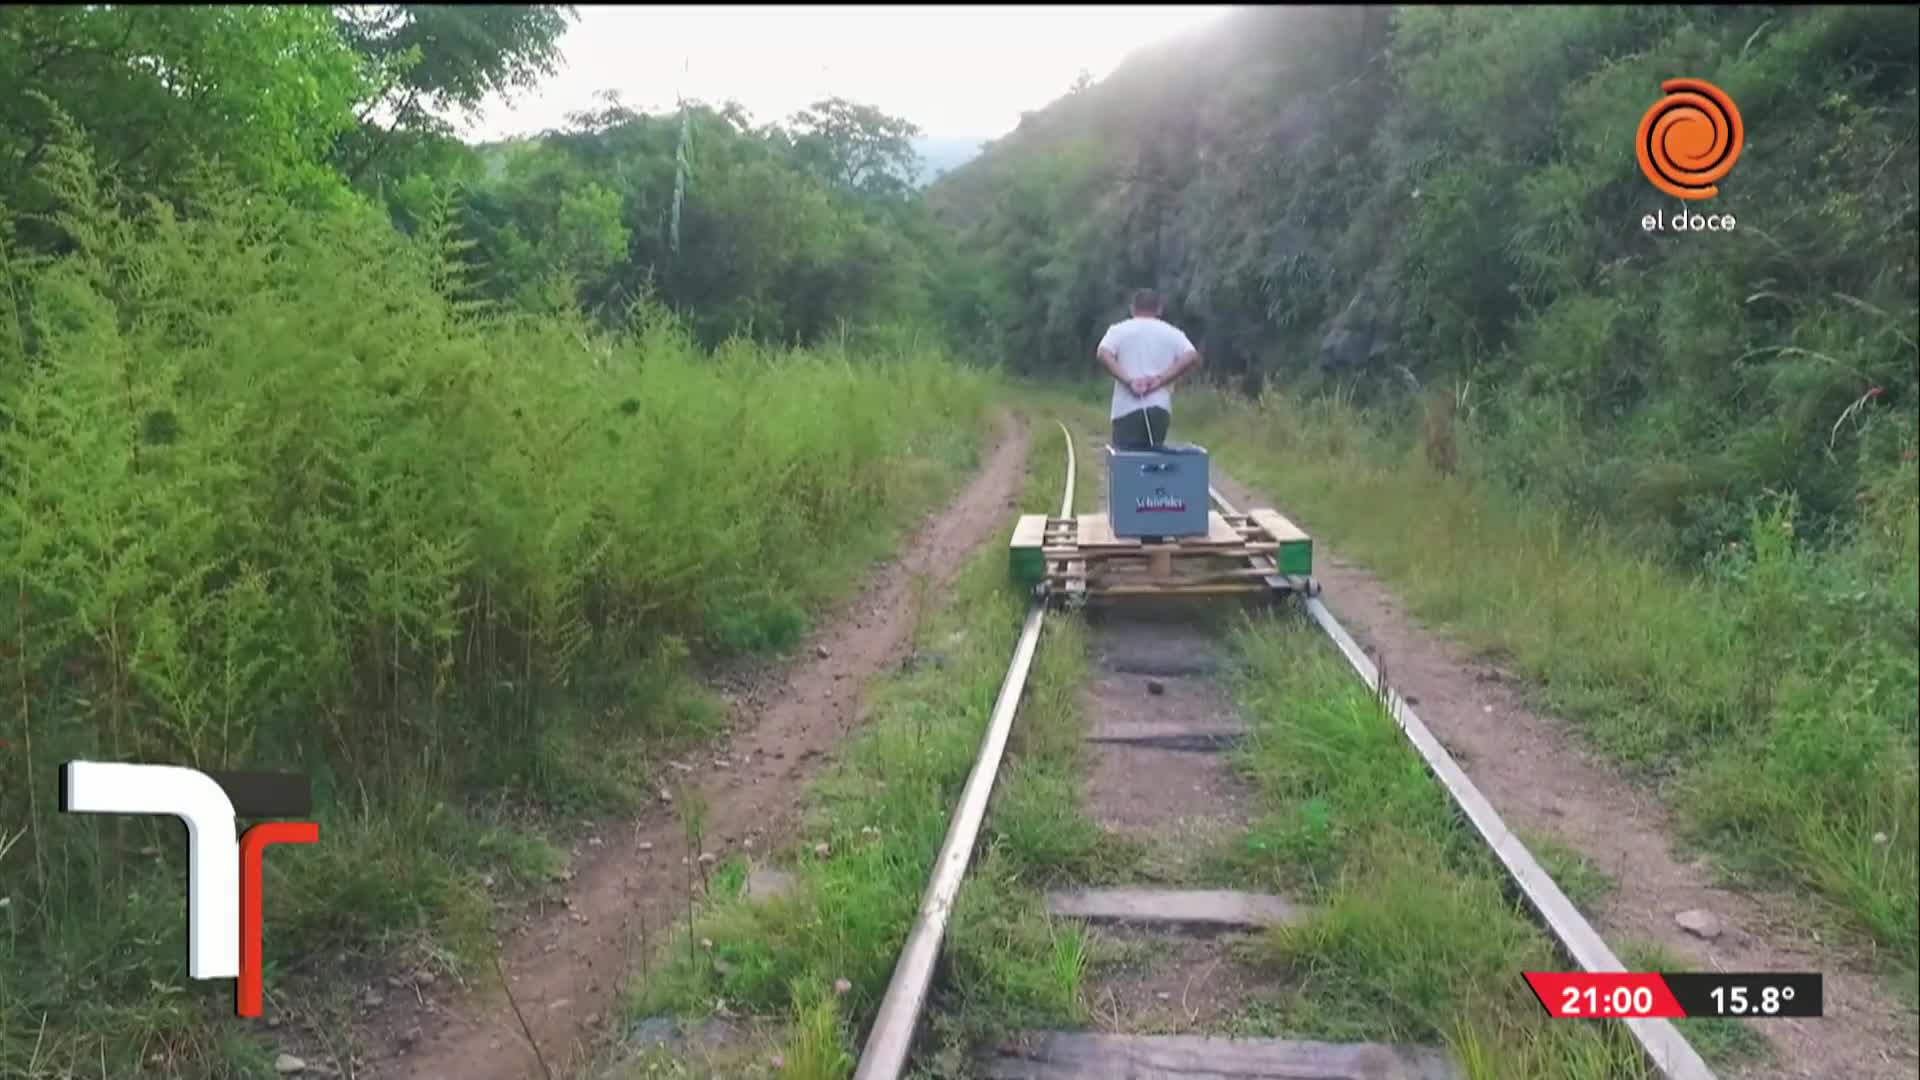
{"x": 1161, "y": 536}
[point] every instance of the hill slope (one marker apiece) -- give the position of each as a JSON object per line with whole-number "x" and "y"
{"x": 1449, "y": 199}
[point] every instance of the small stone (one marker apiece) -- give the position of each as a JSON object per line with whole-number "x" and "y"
{"x": 842, "y": 986}
{"x": 273, "y": 1021}
{"x": 1699, "y": 923}
{"x": 823, "y": 850}
{"x": 1164, "y": 996}
{"x": 646, "y": 845}
{"x": 1412, "y": 700}
{"x": 1156, "y": 687}
{"x": 653, "y": 1032}
{"x": 594, "y": 841}
{"x": 706, "y": 943}
{"x": 425, "y": 978}
{"x": 1880, "y": 839}
{"x": 288, "y": 1065}
{"x": 777, "y": 1061}
{"x": 707, "y": 858}
{"x": 1488, "y": 709}
{"x": 374, "y": 998}
{"x": 766, "y": 883}
{"x": 666, "y": 796}
{"x": 560, "y": 1004}
{"x": 820, "y": 651}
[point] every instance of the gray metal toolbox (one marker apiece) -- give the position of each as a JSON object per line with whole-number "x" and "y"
{"x": 1158, "y": 493}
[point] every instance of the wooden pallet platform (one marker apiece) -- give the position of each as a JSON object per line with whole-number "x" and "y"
{"x": 1259, "y": 551}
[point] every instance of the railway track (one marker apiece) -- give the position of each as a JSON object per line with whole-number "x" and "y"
{"x": 1169, "y": 751}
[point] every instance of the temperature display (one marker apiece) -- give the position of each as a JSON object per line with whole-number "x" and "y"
{"x": 1753, "y": 995}
{"x": 1646, "y": 995}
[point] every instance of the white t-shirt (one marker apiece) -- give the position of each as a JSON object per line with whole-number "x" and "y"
{"x": 1144, "y": 347}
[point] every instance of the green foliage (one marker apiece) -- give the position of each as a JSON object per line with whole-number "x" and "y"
{"x": 856, "y": 148}
{"x": 1413, "y": 938}
{"x": 425, "y": 60}
{"x": 771, "y": 234}
{"x": 270, "y": 498}
{"x": 1452, "y": 197}
{"x": 1773, "y": 694}
{"x": 264, "y": 90}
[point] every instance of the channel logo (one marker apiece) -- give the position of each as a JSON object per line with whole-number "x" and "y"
{"x": 1690, "y": 139}
{"x": 223, "y": 869}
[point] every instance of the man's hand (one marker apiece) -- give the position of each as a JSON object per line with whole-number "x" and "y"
{"x": 1144, "y": 385}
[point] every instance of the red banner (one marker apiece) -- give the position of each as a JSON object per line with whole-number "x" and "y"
{"x": 1617, "y": 995}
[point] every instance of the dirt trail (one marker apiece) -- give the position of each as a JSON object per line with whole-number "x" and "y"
{"x": 1545, "y": 783}
{"x": 566, "y": 966}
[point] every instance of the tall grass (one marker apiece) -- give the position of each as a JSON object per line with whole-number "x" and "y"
{"x": 271, "y": 499}
{"x": 1771, "y": 690}
{"x": 1413, "y": 937}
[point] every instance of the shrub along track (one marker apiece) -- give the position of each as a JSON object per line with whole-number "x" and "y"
{"x": 1158, "y": 721}
{"x": 566, "y": 964}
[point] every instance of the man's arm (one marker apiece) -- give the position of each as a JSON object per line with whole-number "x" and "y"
{"x": 1111, "y": 361}
{"x": 1187, "y": 362}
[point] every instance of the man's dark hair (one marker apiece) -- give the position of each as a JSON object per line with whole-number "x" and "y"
{"x": 1146, "y": 300}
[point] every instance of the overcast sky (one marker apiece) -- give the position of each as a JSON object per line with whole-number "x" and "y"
{"x": 951, "y": 70}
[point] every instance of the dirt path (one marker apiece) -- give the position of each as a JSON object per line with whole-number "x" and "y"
{"x": 567, "y": 966}
{"x": 1544, "y": 783}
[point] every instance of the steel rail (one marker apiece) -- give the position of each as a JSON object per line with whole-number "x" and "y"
{"x": 891, "y": 1037}
{"x": 1661, "y": 1041}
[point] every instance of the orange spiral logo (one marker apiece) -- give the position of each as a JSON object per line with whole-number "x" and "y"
{"x": 1690, "y": 139}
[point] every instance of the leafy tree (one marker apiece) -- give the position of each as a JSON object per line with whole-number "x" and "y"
{"x": 428, "y": 60}
{"x": 856, "y": 148}
{"x": 262, "y": 89}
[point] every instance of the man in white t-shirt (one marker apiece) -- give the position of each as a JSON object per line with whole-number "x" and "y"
{"x": 1145, "y": 357}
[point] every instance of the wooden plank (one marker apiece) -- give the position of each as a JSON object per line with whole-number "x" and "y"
{"x": 1177, "y": 589}
{"x": 1096, "y": 531}
{"x": 1276, "y": 525}
{"x": 1662, "y": 1041}
{"x": 1025, "y": 560}
{"x": 1187, "y": 909}
{"x": 1064, "y": 1055}
{"x": 1030, "y": 531}
{"x": 1241, "y": 550}
{"x": 1189, "y": 576}
{"x": 1167, "y": 736}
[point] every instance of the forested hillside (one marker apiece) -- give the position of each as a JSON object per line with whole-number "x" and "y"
{"x": 1444, "y": 202}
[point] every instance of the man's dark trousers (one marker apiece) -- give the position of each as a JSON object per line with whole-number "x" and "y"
{"x": 1141, "y": 429}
